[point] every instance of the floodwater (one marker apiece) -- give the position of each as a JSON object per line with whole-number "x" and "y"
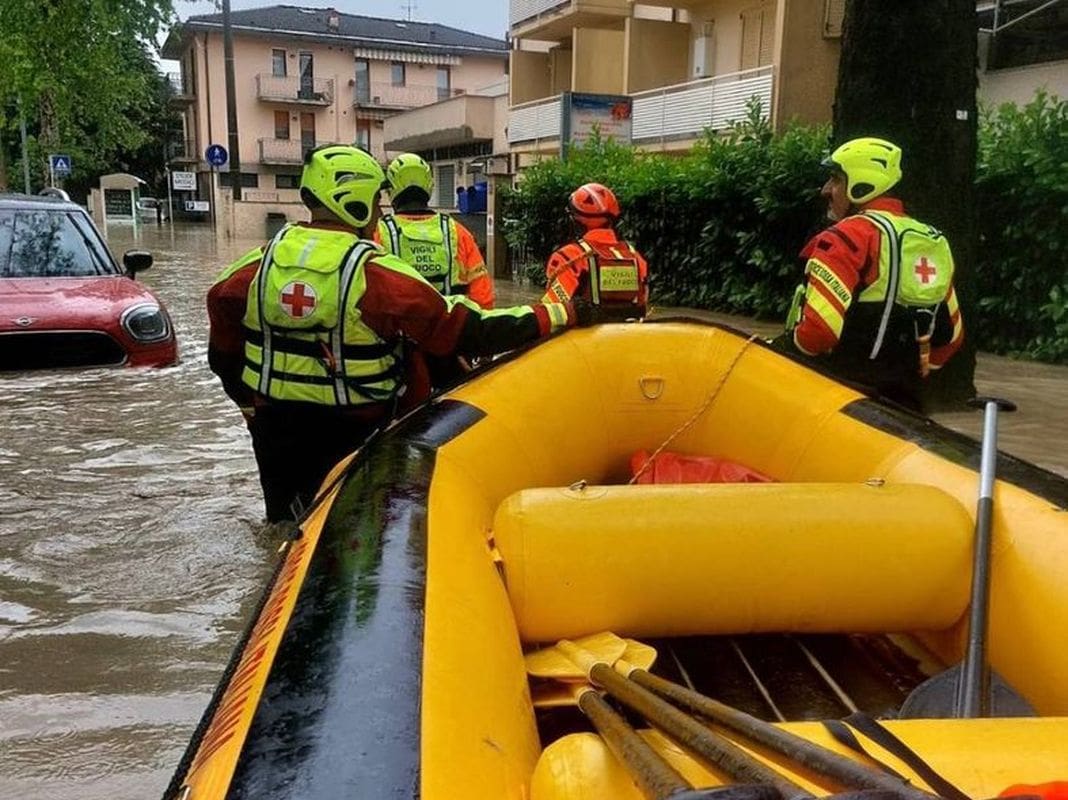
{"x": 132, "y": 546}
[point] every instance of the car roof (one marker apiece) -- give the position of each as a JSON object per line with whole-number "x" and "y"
{"x": 38, "y": 201}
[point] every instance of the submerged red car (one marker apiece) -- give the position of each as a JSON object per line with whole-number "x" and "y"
{"x": 64, "y": 302}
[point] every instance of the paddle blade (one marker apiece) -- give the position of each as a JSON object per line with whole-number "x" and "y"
{"x": 639, "y": 655}
{"x": 558, "y": 695}
{"x": 560, "y": 660}
{"x": 936, "y": 698}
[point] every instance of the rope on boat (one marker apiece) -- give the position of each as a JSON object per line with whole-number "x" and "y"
{"x": 700, "y": 412}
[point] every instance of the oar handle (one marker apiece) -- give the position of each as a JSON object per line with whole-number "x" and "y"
{"x": 656, "y": 778}
{"x": 817, "y": 758}
{"x": 693, "y": 735}
{"x": 973, "y": 695}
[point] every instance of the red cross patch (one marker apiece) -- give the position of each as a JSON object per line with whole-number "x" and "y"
{"x": 298, "y": 299}
{"x": 925, "y": 269}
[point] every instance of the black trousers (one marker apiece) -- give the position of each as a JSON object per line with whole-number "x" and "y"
{"x": 296, "y": 446}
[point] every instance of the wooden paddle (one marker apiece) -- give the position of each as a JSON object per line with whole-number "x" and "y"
{"x": 967, "y": 689}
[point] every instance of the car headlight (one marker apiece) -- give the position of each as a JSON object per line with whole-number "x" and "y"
{"x": 146, "y": 323}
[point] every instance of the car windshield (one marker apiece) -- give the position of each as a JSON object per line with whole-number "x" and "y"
{"x": 42, "y": 243}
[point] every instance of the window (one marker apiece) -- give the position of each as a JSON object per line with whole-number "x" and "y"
{"x": 47, "y": 244}
{"x": 278, "y": 63}
{"x": 444, "y": 83}
{"x": 249, "y": 180}
{"x": 363, "y": 81}
{"x": 281, "y": 124}
{"x": 285, "y": 180}
{"x": 307, "y": 132}
{"x": 307, "y": 76}
{"x": 758, "y": 37}
{"x": 397, "y": 73}
{"x": 363, "y": 133}
{"x": 446, "y": 186}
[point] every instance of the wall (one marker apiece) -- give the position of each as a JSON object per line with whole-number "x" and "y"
{"x": 1018, "y": 85}
{"x": 597, "y": 64}
{"x": 657, "y": 54}
{"x": 561, "y": 65}
{"x": 529, "y": 76}
{"x": 727, "y": 31}
{"x": 500, "y": 124}
{"x": 806, "y": 64}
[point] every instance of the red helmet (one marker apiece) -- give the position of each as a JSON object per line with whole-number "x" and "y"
{"x": 593, "y": 205}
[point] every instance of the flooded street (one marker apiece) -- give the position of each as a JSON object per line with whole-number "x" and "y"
{"x": 132, "y": 549}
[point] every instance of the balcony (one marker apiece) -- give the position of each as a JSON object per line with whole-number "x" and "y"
{"x": 685, "y": 110}
{"x": 531, "y": 122}
{"x": 294, "y": 90}
{"x": 682, "y": 111}
{"x": 286, "y": 152}
{"x": 552, "y": 20}
{"x": 183, "y": 151}
{"x": 461, "y": 120}
{"x": 183, "y": 92}
{"x": 398, "y": 98}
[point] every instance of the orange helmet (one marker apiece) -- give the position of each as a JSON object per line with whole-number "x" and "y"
{"x": 593, "y": 205}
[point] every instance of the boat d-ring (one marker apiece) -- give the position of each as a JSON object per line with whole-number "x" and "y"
{"x": 652, "y": 386}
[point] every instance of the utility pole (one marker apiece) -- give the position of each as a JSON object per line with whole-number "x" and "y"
{"x": 25, "y": 149}
{"x": 409, "y": 8}
{"x": 231, "y": 105}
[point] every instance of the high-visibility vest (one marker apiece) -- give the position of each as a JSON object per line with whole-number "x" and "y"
{"x": 613, "y": 273}
{"x": 305, "y": 340}
{"x": 430, "y": 245}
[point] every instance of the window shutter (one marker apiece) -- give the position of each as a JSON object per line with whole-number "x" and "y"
{"x": 833, "y": 14}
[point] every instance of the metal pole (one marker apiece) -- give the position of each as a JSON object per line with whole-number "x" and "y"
{"x": 231, "y": 104}
{"x": 170, "y": 199}
{"x": 25, "y": 150}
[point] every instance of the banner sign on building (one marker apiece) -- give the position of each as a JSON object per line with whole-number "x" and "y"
{"x": 582, "y": 114}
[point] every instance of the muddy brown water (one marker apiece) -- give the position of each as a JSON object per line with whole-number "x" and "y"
{"x": 132, "y": 547}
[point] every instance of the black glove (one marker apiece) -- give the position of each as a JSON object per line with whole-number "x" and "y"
{"x": 586, "y": 313}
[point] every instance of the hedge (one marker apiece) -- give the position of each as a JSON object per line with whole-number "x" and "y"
{"x": 722, "y": 225}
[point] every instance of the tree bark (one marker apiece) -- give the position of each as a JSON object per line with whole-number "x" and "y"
{"x": 908, "y": 74}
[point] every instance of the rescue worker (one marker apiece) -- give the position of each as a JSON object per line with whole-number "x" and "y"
{"x": 599, "y": 266}
{"x": 306, "y": 333}
{"x": 440, "y": 248}
{"x": 877, "y": 307}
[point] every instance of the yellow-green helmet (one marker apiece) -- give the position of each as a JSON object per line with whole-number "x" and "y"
{"x": 343, "y": 178}
{"x": 409, "y": 171}
{"x": 872, "y": 167}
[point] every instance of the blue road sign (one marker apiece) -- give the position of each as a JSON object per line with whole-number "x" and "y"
{"x": 59, "y": 164}
{"x": 216, "y": 155}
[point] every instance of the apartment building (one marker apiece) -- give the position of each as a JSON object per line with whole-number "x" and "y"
{"x": 691, "y": 65}
{"x": 305, "y": 77}
{"x": 688, "y": 64}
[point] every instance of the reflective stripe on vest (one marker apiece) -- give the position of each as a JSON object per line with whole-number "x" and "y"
{"x": 436, "y": 261}
{"x": 321, "y": 352}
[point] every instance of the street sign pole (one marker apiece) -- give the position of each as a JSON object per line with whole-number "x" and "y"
{"x": 170, "y": 199}
{"x": 51, "y": 174}
{"x": 25, "y": 149}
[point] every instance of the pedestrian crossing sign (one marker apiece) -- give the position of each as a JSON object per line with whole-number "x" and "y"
{"x": 59, "y": 164}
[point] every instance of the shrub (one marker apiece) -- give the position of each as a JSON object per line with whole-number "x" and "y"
{"x": 723, "y": 224}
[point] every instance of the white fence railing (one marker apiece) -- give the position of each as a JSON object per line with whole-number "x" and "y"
{"x": 522, "y": 10}
{"x": 687, "y": 109}
{"x": 539, "y": 119}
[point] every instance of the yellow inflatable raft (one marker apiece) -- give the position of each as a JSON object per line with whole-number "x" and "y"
{"x": 386, "y": 659}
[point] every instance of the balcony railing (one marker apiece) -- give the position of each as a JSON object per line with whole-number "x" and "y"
{"x": 386, "y": 95}
{"x": 523, "y": 10}
{"x": 184, "y": 150}
{"x": 293, "y": 89}
{"x": 539, "y": 119}
{"x": 182, "y": 90}
{"x": 685, "y": 110}
{"x": 682, "y": 111}
{"x": 284, "y": 151}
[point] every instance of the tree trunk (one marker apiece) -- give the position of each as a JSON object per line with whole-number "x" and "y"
{"x": 908, "y": 74}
